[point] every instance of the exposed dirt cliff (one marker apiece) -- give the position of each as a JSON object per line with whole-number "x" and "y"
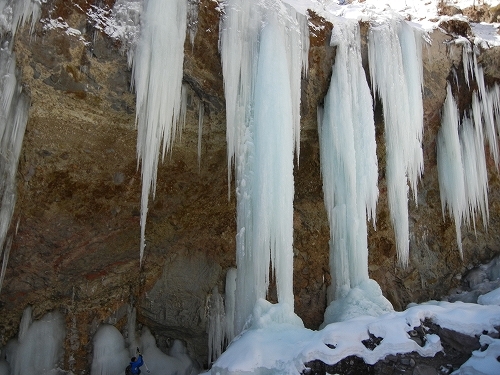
{"x": 76, "y": 247}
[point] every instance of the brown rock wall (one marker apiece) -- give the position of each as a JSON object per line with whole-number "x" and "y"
{"x": 77, "y": 243}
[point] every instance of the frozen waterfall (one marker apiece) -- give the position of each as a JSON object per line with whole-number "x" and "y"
{"x": 395, "y": 57}
{"x": 349, "y": 169}
{"x": 262, "y": 56}
{"x": 161, "y": 44}
{"x": 13, "y": 114}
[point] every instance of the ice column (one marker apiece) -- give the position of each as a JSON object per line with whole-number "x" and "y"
{"x": 39, "y": 347}
{"x": 394, "y": 50}
{"x": 216, "y": 325}
{"x": 349, "y": 169}
{"x": 449, "y": 162}
{"x": 230, "y": 301}
{"x": 14, "y": 107}
{"x": 348, "y": 160}
{"x": 261, "y": 45}
{"x": 109, "y": 355}
{"x": 157, "y": 77}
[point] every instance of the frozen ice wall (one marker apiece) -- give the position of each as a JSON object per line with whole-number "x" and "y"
{"x": 112, "y": 352}
{"x": 349, "y": 170}
{"x": 110, "y": 357}
{"x": 395, "y": 57}
{"x": 39, "y": 346}
{"x": 14, "y": 107}
{"x": 262, "y": 49}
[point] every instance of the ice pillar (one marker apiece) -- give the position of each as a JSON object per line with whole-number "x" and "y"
{"x": 349, "y": 169}
{"x": 262, "y": 58}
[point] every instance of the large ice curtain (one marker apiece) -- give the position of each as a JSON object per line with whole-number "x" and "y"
{"x": 261, "y": 46}
{"x": 350, "y": 171}
{"x": 395, "y": 58}
{"x": 157, "y": 78}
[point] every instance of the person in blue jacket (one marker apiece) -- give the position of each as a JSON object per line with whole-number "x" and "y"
{"x": 135, "y": 363}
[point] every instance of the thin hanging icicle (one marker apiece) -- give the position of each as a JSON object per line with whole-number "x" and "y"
{"x": 15, "y": 13}
{"x": 394, "y": 51}
{"x": 201, "y": 114}
{"x": 192, "y": 19}
{"x": 449, "y": 162}
{"x": 475, "y": 172}
{"x": 260, "y": 45}
{"x": 157, "y": 77}
{"x": 230, "y": 300}
{"x": 216, "y": 325}
{"x": 463, "y": 178}
{"x": 485, "y": 101}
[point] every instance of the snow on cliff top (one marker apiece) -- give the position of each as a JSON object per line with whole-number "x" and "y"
{"x": 422, "y": 13}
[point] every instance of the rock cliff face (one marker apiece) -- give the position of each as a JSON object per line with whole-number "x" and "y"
{"x": 76, "y": 247}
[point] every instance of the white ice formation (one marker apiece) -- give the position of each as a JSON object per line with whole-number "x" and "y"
{"x": 395, "y": 58}
{"x": 14, "y": 107}
{"x": 262, "y": 51}
{"x": 158, "y": 90}
{"x": 463, "y": 178}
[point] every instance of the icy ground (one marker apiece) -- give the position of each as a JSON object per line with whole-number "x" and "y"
{"x": 281, "y": 348}
{"x": 272, "y": 344}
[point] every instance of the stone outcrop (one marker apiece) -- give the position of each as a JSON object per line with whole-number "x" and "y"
{"x": 76, "y": 246}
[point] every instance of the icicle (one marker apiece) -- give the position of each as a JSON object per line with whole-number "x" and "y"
{"x": 15, "y": 13}
{"x": 230, "y": 298}
{"x": 5, "y": 260}
{"x": 394, "y": 51}
{"x": 475, "y": 172}
{"x": 216, "y": 325}
{"x": 260, "y": 45}
{"x": 126, "y": 15}
{"x": 349, "y": 169}
{"x": 485, "y": 101}
{"x": 109, "y": 352}
{"x": 201, "y": 113}
{"x": 463, "y": 177}
{"x": 26, "y": 321}
{"x": 192, "y": 19}
{"x": 157, "y": 77}
{"x": 13, "y": 118}
{"x": 449, "y": 162}
{"x": 183, "y": 110}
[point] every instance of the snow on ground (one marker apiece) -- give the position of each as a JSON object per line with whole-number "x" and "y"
{"x": 283, "y": 348}
{"x": 277, "y": 340}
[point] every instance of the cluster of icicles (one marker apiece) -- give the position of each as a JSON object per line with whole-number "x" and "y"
{"x": 264, "y": 47}
{"x": 463, "y": 178}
